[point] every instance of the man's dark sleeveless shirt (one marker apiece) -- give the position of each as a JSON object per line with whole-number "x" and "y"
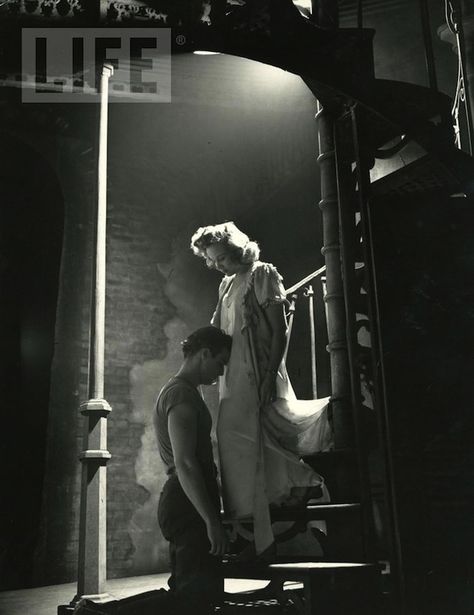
{"x": 179, "y": 391}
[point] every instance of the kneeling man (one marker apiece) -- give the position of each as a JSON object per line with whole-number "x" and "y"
{"x": 189, "y": 506}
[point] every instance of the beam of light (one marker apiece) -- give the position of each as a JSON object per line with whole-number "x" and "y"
{"x": 304, "y": 7}
{"x": 304, "y": 4}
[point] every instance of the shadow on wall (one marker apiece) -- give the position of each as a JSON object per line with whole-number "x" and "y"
{"x": 31, "y": 227}
{"x": 189, "y": 287}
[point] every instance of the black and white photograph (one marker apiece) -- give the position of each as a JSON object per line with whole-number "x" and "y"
{"x": 237, "y": 307}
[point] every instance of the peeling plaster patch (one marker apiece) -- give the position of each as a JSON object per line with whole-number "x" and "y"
{"x": 187, "y": 287}
{"x": 145, "y": 382}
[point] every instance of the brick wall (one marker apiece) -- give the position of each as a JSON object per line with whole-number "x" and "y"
{"x": 136, "y": 310}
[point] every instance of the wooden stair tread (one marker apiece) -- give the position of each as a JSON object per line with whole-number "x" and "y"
{"x": 297, "y": 569}
{"x": 336, "y": 452}
{"x": 247, "y": 570}
{"x": 310, "y": 512}
{"x": 307, "y": 566}
{"x": 306, "y": 571}
{"x": 267, "y": 569}
{"x": 422, "y": 174}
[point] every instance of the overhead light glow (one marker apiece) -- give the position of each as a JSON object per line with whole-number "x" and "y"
{"x": 200, "y": 52}
{"x": 306, "y": 5}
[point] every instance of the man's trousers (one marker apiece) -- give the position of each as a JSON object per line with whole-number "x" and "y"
{"x": 196, "y": 580}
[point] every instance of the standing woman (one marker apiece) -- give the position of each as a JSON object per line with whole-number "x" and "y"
{"x": 255, "y": 394}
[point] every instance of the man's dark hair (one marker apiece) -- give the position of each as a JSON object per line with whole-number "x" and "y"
{"x": 207, "y": 337}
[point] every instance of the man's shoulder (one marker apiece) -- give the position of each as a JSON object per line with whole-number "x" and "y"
{"x": 171, "y": 384}
{"x": 174, "y": 392}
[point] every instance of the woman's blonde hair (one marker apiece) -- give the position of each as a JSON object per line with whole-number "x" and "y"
{"x": 242, "y": 249}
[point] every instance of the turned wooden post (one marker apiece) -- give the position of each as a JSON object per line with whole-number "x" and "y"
{"x": 334, "y": 297}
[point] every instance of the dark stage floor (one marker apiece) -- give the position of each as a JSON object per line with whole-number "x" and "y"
{"x": 45, "y": 600}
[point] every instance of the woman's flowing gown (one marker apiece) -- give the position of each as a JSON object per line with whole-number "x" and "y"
{"x": 256, "y": 470}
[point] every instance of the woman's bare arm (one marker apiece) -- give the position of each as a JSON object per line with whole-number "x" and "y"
{"x": 276, "y": 318}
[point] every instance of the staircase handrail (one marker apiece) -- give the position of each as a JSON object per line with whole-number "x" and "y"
{"x": 308, "y": 278}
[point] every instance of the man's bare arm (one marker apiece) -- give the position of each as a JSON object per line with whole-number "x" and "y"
{"x": 182, "y": 427}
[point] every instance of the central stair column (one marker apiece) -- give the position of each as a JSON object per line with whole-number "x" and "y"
{"x": 336, "y": 317}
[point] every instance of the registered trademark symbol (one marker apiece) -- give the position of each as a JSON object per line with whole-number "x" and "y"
{"x": 180, "y": 39}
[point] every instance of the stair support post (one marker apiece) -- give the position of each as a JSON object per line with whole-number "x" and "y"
{"x": 362, "y": 170}
{"x": 334, "y": 298}
{"x": 347, "y": 198}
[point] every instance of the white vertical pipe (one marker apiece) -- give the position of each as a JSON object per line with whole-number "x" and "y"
{"x": 97, "y": 391}
{"x": 92, "y": 563}
{"x": 310, "y": 294}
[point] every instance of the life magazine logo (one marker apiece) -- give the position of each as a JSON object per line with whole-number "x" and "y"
{"x": 65, "y": 64}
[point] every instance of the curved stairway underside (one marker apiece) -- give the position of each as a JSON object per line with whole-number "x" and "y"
{"x": 336, "y": 65}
